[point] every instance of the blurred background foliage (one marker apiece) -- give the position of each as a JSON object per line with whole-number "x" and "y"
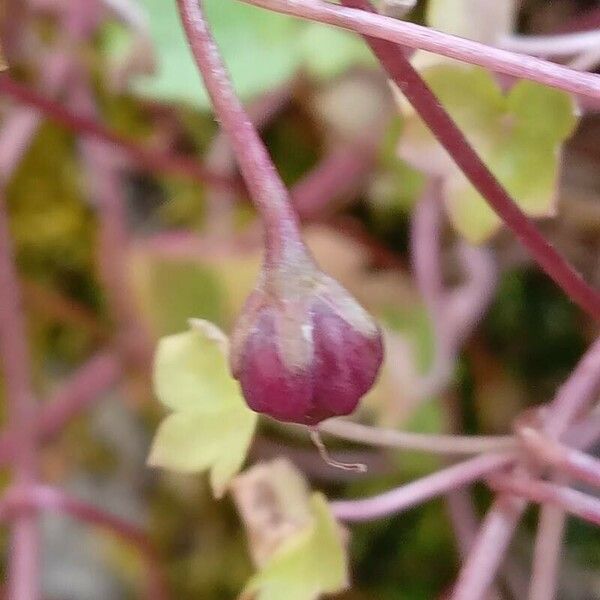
{"x": 194, "y": 252}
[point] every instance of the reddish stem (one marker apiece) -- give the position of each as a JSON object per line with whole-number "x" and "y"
{"x": 339, "y": 175}
{"x": 152, "y": 160}
{"x": 453, "y": 140}
{"x": 75, "y": 396}
{"x": 23, "y": 565}
{"x": 266, "y": 188}
{"x": 41, "y": 497}
{"x": 416, "y": 36}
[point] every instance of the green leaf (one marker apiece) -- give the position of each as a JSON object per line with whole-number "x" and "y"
{"x": 211, "y": 428}
{"x": 518, "y": 135}
{"x": 310, "y": 564}
{"x": 261, "y": 48}
{"x": 213, "y": 440}
{"x": 327, "y": 51}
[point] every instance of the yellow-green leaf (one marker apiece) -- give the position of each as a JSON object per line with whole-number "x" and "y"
{"x": 211, "y": 428}
{"x": 519, "y": 136}
{"x": 311, "y": 563}
{"x": 213, "y": 440}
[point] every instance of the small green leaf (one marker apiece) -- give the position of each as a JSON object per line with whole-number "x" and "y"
{"x": 216, "y": 440}
{"x": 311, "y": 563}
{"x": 518, "y": 135}
{"x": 211, "y": 428}
{"x": 327, "y": 51}
{"x": 261, "y": 48}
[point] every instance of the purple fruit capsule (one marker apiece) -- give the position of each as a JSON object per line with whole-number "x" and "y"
{"x": 303, "y": 349}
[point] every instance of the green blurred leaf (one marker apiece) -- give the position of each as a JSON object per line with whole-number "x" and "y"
{"x": 310, "y": 564}
{"x": 326, "y": 51}
{"x": 518, "y": 135}
{"x": 211, "y": 428}
{"x": 262, "y": 49}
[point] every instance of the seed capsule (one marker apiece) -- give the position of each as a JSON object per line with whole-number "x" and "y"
{"x": 303, "y": 349}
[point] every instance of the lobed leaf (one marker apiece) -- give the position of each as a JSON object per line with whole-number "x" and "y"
{"x": 262, "y": 50}
{"x": 519, "y": 136}
{"x": 211, "y": 427}
{"x": 311, "y": 563}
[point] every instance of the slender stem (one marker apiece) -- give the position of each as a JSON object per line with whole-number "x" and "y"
{"x": 220, "y": 159}
{"x": 426, "y": 261}
{"x": 106, "y": 191}
{"x": 576, "y": 503}
{"x": 571, "y": 462}
{"x": 417, "y": 36}
{"x": 423, "y": 489}
{"x": 436, "y": 444}
{"x": 42, "y": 497}
{"x": 340, "y": 175}
{"x": 23, "y": 565}
{"x": 264, "y": 184}
{"x": 19, "y": 127}
{"x": 480, "y": 568}
{"x": 574, "y": 395}
{"x": 566, "y": 44}
{"x": 452, "y": 139}
{"x": 152, "y": 160}
{"x": 547, "y": 553}
{"x": 75, "y": 396}
{"x": 467, "y": 303}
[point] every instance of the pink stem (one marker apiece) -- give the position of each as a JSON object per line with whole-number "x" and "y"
{"x": 152, "y": 160}
{"x": 106, "y": 190}
{"x": 20, "y": 127}
{"x": 23, "y": 568}
{"x": 547, "y": 553}
{"x": 573, "y": 396}
{"x": 74, "y": 397}
{"x": 497, "y": 529}
{"x": 219, "y": 158}
{"x": 411, "y": 35}
{"x": 423, "y": 489}
{"x": 453, "y": 140}
{"x": 41, "y": 497}
{"x": 264, "y": 184}
{"x": 426, "y": 259}
{"x": 571, "y": 462}
{"x": 339, "y": 175}
{"x": 576, "y": 503}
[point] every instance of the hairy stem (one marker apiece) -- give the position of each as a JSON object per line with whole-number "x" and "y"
{"x": 266, "y": 188}
{"x": 417, "y": 36}
{"x": 452, "y": 139}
